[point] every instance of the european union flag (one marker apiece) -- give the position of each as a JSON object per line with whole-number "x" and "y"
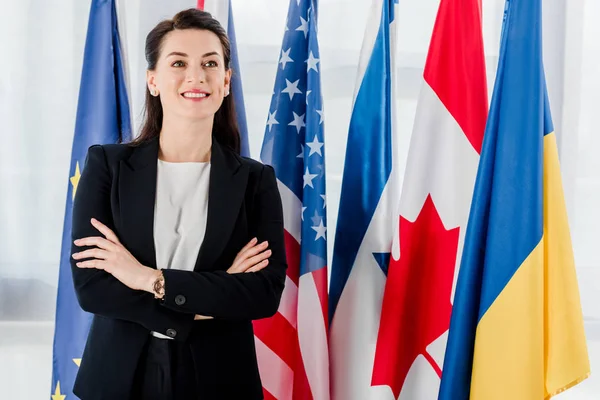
{"x": 102, "y": 117}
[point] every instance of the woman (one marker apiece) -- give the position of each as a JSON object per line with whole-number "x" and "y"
{"x": 180, "y": 240}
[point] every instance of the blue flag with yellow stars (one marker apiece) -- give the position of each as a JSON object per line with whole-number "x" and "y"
{"x": 102, "y": 117}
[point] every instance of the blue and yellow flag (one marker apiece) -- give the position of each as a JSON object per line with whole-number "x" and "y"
{"x": 516, "y": 330}
{"x": 102, "y": 117}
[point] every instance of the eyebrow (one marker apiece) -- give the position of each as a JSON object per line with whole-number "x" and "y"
{"x": 180, "y": 54}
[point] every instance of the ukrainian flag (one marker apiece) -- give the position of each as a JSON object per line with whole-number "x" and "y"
{"x": 516, "y": 330}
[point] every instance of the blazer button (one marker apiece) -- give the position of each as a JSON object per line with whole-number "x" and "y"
{"x": 171, "y": 333}
{"x": 180, "y": 300}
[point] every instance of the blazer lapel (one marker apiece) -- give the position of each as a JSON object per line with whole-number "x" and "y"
{"x": 137, "y": 195}
{"x": 228, "y": 180}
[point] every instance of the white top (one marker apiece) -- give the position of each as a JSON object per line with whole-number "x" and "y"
{"x": 180, "y": 213}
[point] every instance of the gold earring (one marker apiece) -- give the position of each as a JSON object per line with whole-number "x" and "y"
{"x": 154, "y": 92}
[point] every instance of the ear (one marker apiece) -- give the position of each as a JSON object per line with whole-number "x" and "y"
{"x": 228, "y": 74}
{"x": 150, "y": 80}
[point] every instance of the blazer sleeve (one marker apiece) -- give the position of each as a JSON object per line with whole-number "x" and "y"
{"x": 252, "y": 295}
{"x": 97, "y": 291}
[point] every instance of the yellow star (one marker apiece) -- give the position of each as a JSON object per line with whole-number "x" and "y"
{"x": 75, "y": 179}
{"x": 77, "y": 361}
{"x": 57, "y": 395}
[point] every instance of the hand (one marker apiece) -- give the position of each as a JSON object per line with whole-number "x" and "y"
{"x": 251, "y": 258}
{"x": 111, "y": 256}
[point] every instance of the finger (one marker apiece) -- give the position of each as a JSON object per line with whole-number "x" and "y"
{"x": 251, "y": 252}
{"x": 201, "y": 317}
{"x": 91, "y": 253}
{"x": 96, "y": 241}
{"x": 258, "y": 266}
{"x": 105, "y": 230}
{"x": 247, "y": 246}
{"x": 91, "y": 264}
{"x": 242, "y": 264}
{"x": 249, "y": 263}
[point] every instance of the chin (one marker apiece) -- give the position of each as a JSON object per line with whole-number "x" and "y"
{"x": 197, "y": 115}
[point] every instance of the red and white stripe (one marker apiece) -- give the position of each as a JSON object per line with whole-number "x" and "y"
{"x": 292, "y": 346}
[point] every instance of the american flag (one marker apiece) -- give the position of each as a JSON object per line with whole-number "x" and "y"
{"x": 292, "y": 346}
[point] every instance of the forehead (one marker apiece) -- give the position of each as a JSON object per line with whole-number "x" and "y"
{"x": 193, "y": 42}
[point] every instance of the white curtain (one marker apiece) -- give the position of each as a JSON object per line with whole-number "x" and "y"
{"x": 41, "y": 54}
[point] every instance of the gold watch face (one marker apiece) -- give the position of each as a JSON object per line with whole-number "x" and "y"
{"x": 158, "y": 286}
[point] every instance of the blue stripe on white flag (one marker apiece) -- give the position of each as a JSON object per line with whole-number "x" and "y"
{"x": 368, "y": 162}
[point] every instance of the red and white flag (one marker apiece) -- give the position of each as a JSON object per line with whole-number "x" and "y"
{"x": 434, "y": 208}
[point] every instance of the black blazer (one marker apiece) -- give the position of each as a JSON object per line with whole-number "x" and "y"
{"x": 118, "y": 187}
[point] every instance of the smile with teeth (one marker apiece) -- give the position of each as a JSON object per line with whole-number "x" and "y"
{"x": 195, "y": 95}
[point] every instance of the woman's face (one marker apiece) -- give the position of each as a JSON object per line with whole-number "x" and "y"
{"x": 190, "y": 74}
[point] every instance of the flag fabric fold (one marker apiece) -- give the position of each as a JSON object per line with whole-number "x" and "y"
{"x": 102, "y": 117}
{"x": 516, "y": 330}
{"x": 369, "y": 196}
{"x": 221, "y": 10}
{"x": 292, "y": 346}
{"x": 434, "y": 206}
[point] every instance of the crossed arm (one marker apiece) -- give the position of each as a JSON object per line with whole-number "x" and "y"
{"x": 109, "y": 281}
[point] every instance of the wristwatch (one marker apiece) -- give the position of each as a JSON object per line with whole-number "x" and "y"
{"x": 158, "y": 287}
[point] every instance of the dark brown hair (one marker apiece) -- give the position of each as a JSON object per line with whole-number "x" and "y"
{"x": 225, "y": 129}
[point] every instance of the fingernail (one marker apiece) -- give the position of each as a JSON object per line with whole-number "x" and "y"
{"x": 254, "y": 240}
{"x": 93, "y": 220}
{"x": 78, "y": 264}
{"x": 265, "y": 243}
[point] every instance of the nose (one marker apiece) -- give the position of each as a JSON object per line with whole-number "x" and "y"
{"x": 195, "y": 73}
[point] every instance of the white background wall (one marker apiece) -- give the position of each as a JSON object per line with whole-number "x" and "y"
{"x": 41, "y": 50}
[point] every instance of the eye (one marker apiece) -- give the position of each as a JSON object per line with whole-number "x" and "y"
{"x": 211, "y": 64}
{"x": 178, "y": 64}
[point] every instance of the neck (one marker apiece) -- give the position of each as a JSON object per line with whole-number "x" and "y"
{"x": 185, "y": 141}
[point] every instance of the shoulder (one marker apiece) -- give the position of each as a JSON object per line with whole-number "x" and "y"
{"x": 261, "y": 175}
{"x": 258, "y": 172}
{"x": 104, "y": 159}
{"x": 253, "y": 165}
{"x": 112, "y": 153}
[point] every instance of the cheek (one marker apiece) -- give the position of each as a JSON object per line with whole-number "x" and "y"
{"x": 175, "y": 80}
{"x": 218, "y": 90}
{"x": 217, "y": 80}
{"x": 172, "y": 80}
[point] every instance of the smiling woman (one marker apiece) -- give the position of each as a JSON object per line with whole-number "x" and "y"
{"x": 189, "y": 59}
{"x": 179, "y": 240}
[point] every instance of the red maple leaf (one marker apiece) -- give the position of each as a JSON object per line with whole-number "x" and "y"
{"x": 416, "y": 303}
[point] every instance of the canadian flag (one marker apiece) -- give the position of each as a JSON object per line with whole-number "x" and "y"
{"x": 434, "y": 208}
